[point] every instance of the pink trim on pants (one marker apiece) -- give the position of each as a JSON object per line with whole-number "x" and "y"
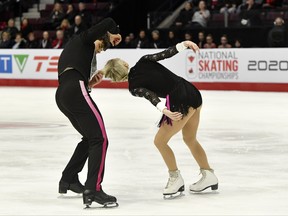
{"x": 101, "y": 123}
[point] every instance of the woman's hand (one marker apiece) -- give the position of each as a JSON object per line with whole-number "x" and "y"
{"x": 115, "y": 39}
{"x": 191, "y": 45}
{"x": 96, "y": 79}
{"x": 175, "y": 116}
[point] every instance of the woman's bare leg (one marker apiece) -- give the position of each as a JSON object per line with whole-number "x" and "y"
{"x": 189, "y": 132}
{"x": 163, "y": 136}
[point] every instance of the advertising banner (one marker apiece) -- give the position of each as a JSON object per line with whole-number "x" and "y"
{"x": 209, "y": 66}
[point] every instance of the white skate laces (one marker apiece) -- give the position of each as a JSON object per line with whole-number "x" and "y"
{"x": 175, "y": 183}
{"x": 208, "y": 180}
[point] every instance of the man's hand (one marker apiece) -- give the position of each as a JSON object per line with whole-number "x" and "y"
{"x": 96, "y": 79}
{"x": 175, "y": 116}
{"x": 115, "y": 39}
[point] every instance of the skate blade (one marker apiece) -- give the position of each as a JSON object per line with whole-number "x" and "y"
{"x": 173, "y": 196}
{"x": 102, "y": 206}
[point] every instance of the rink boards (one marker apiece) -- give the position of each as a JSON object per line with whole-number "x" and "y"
{"x": 254, "y": 69}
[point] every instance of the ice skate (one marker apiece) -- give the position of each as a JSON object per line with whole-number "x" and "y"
{"x": 100, "y": 197}
{"x": 75, "y": 187}
{"x": 175, "y": 185}
{"x": 208, "y": 179}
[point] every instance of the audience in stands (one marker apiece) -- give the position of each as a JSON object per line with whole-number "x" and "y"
{"x": 250, "y": 14}
{"x": 70, "y": 13}
{"x": 77, "y": 27}
{"x": 156, "y": 41}
{"x": 45, "y": 42}
{"x": 56, "y": 16}
{"x": 188, "y": 36}
{"x": 172, "y": 39}
{"x": 209, "y": 42}
{"x": 59, "y": 42}
{"x": 237, "y": 43}
{"x": 200, "y": 17}
{"x": 201, "y": 39}
{"x": 85, "y": 14}
{"x": 185, "y": 15}
{"x": 11, "y": 28}
{"x": 19, "y": 42}
{"x": 65, "y": 27}
{"x": 126, "y": 43}
{"x": 32, "y": 42}
{"x": 224, "y": 42}
{"x": 25, "y": 28}
{"x": 132, "y": 36}
{"x": 5, "y": 41}
{"x": 141, "y": 41}
{"x": 277, "y": 36}
{"x": 75, "y": 20}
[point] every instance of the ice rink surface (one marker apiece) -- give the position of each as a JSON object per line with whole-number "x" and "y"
{"x": 245, "y": 135}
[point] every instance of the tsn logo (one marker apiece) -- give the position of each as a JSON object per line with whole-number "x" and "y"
{"x": 43, "y": 63}
{"x": 52, "y": 63}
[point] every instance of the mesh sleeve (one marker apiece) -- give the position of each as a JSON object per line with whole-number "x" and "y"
{"x": 149, "y": 95}
{"x": 167, "y": 53}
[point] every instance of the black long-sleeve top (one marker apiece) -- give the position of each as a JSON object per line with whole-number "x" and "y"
{"x": 79, "y": 51}
{"x": 152, "y": 80}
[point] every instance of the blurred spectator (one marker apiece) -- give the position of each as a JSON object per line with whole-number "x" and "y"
{"x": 45, "y": 42}
{"x": 19, "y": 42}
{"x": 250, "y": 14}
{"x": 156, "y": 41}
{"x": 277, "y": 36}
{"x": 237, "y": 43}
{"x": 65, "y": 27}
{"x": 77, "y": 27}
{"x": 200, "y": 17}
{"x": 224, "y": 42}
{"x": 209, "y": 42}
{"x": 32, "y": 41}
{"x": 188, "y": 36}
{"x": 269, "y": 4}
{"x": 230, "y": 6}
{"x": 141, "y": 41}
{"x": 59, "y": 42}
{"x": 126, "y": 43}
{"x": 25, "y": 28}
{"x": 132, "y": 36}
{"x": 85, "y": 14}
{"x": 11, "y": 29}
{"x": 185, "y": 15}
{"x": 70, "y": 13}
{"x": 201, "y": 39}
{"x": 171, "y": 39}
{"x": 56, "y": 16}
{"x": 5, "y": 41}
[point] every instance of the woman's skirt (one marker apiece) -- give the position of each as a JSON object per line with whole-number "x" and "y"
{"x": 181, "y": 98}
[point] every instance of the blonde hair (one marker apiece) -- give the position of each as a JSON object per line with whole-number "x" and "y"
{"x": 115, "y": 70}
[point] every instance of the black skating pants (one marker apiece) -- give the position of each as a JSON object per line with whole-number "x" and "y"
{"x": 75, "y": 103}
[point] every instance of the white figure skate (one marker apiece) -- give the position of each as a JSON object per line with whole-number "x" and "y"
{"x": 208, "y": 180}
{"x": 175, "y": 185}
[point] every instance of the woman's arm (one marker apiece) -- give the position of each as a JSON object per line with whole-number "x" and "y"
{"x": 154, "y": 99}
{"x": 171, "y": 51}
{"x": 149, "y": 95}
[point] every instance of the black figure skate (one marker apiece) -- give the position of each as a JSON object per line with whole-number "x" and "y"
{"x": 99, "y": 197}
{"x": 75, "y": 187}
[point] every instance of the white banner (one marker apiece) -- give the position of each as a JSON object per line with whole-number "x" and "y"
{"x": 209, "y": 65}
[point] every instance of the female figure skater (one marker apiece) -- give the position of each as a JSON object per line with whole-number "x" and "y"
{"x": 76, "y": 68}
{"x": 152, "y": 80}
